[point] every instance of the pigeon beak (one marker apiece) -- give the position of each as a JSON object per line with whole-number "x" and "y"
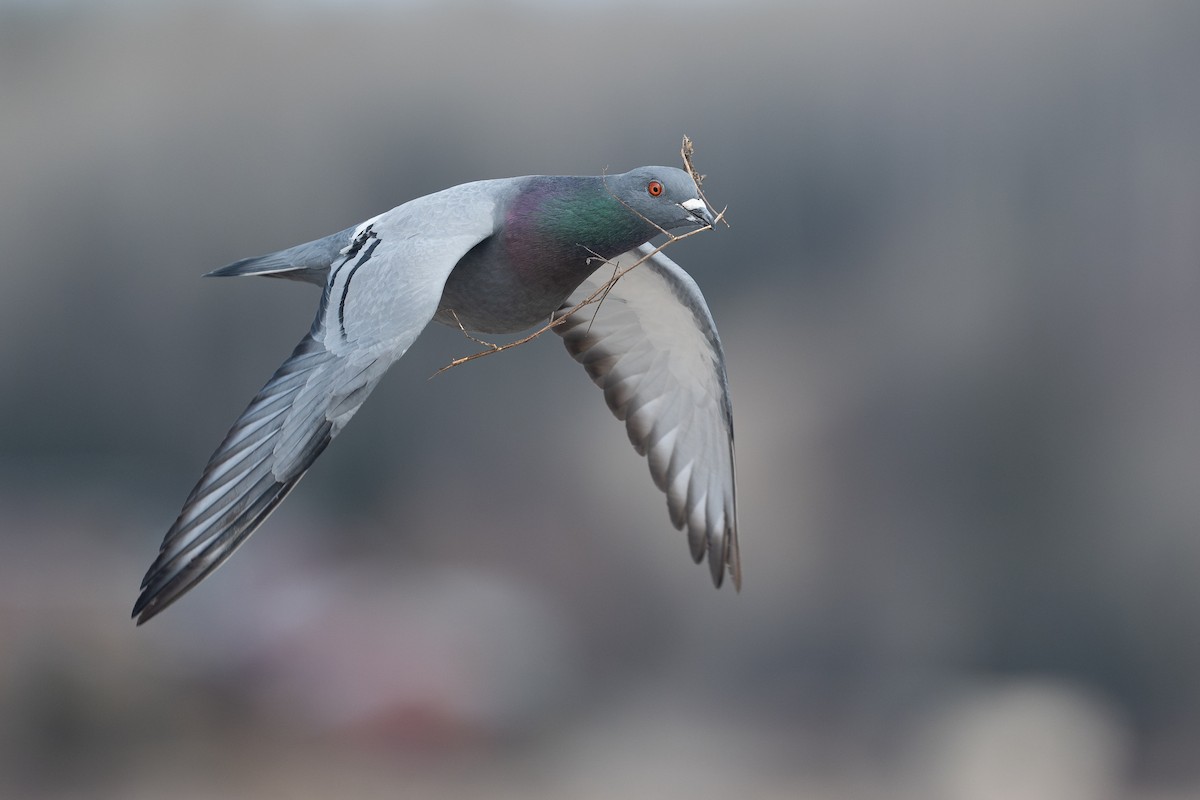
{"x": 699, "y": 211}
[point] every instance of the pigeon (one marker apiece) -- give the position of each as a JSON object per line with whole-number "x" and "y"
{"x": 491, "y": 256}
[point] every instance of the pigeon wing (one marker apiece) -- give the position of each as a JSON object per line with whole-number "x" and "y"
{"x": 653, "y": 348}
{"x": 382, "y": 289}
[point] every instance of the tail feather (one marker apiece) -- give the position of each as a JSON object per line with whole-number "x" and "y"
{"x": 307, "y": 262}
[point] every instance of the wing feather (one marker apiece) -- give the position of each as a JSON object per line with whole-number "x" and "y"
{"x": 400, "y": 262}
{"x": 653, "y": 348}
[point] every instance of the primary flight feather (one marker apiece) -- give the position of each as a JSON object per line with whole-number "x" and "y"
{"x": 493, "y": 256}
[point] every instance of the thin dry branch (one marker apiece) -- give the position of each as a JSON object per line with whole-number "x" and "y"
{"x": 468, "y": 334}
{"x": 685, "y": 152}
{"x": 597, "y": 296}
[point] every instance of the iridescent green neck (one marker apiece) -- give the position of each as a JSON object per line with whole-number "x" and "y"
{"x": 561, "y": 221}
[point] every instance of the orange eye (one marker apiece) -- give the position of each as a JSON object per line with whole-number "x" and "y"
{"x": 654, "y": 188}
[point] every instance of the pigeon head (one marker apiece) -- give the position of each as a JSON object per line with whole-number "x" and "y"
{"x": 666, "y": 196}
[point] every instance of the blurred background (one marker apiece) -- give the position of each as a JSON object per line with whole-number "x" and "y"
{"x": 959, "y": 303}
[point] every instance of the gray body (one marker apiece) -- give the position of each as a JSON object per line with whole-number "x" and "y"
{"x": 492, "y": 256}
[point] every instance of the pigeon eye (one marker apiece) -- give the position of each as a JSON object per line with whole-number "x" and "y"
{"x": 654, "y": 188}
